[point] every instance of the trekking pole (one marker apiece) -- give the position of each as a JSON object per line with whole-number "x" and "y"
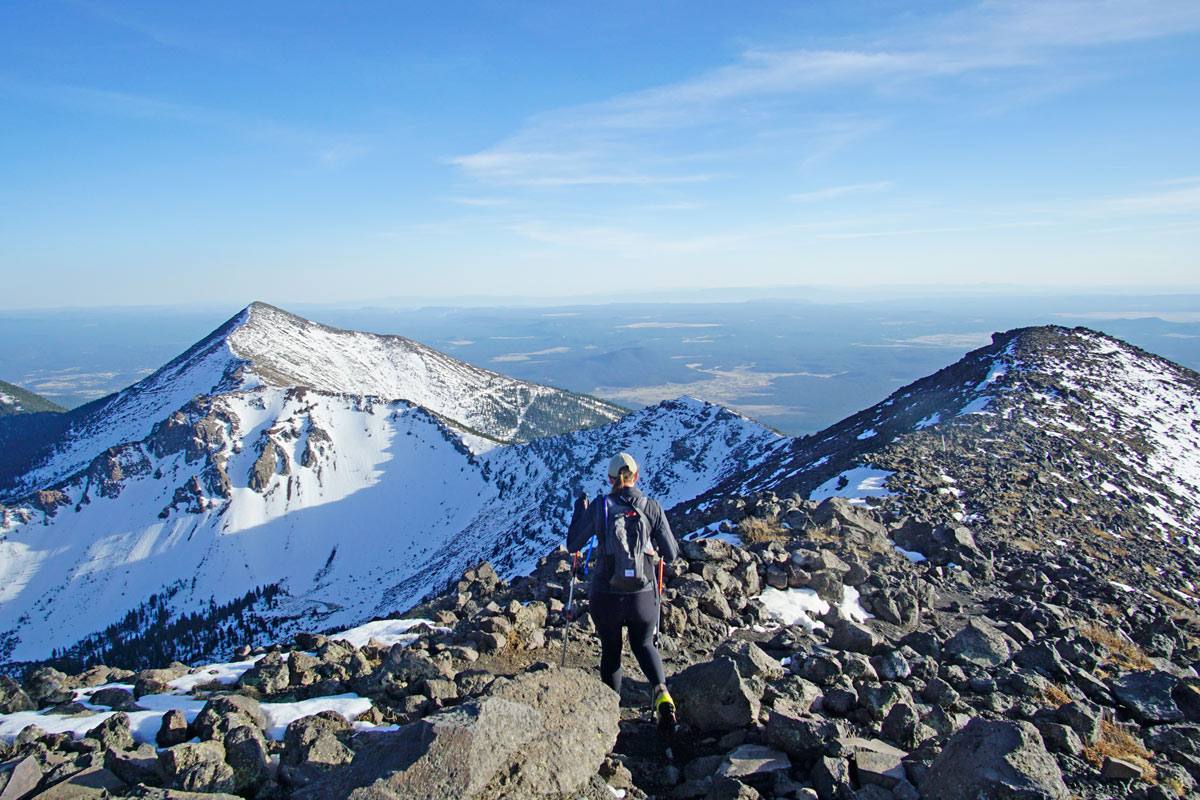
{"x": 658, "y": 620}
{"x": 567, "y": 610}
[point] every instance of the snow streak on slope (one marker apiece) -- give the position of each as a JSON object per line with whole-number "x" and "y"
{"x": 1139, "y": 408}
{"x": 266, "y": 346}
{"x": 354, "y": 506}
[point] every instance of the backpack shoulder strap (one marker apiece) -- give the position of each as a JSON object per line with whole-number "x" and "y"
{"x": 600, "y": 510}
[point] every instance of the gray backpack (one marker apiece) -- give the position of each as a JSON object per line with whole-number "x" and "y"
{"x": 624, "y": 541}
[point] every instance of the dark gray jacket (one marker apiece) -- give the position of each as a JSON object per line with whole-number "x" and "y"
{"x": 585, "y": 525}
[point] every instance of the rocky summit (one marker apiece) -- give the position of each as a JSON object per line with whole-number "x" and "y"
{"x": 1009, "y": 614}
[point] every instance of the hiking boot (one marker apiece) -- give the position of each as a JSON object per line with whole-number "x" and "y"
{"x": 665, "y": 708}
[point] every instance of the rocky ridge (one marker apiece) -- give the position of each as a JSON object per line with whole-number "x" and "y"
{"x": 965, "y": 678}
{"x": 1063, "y": 442}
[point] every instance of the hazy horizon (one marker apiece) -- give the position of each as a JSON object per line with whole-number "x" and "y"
{"x": 796, "y": 364}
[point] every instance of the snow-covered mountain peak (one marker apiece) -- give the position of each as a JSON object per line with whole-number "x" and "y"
{"x": 266, "y": 346}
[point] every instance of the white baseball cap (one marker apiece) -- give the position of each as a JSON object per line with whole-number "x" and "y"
{"x": 621, "y": 460}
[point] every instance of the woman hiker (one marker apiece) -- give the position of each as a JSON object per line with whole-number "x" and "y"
{"x": 624, "y": 593}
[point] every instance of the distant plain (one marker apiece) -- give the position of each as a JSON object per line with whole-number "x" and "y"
{"x": 794, "y": 364}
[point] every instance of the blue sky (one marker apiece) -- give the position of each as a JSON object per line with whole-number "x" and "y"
{"x": 158, "y": 152}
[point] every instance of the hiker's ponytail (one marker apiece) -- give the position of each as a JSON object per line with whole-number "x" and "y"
{"x": 624, "y": 478}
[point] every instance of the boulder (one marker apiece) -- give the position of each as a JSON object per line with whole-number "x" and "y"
{"x": 115, "y": 698}
{"x": 820, "y": 668}
{"x": 89, "y": 783}
{"x": 222, "y": 714}
{"x": 246, "y": 754}
{"x": 1181, "y": 744}
{"x": 892, "y": 666}
{"x": 1147, "y": 696}
{"x": 207, "y": 777}
{"x": 133, "y": 766}
{"x": 831, "y": 778}
{"x": 21, "y": 779}
{"x": 940, "y": 693}
{"x": 173, "y": 730}
{"x": 904, "y": 726}
{"x": 1003, "y": 760}
{"x": 13, "y": 698}
{"x": 1060, "y": 738}
{"x": 145, "y": 686}
{"x": 828, "y": 586}
{"x": 851, "y": 636}
{"x": 313, "y": 746}
{"x": 877, "y": 763}
{"x": 801, "y": 737}
{"x": 196, "y": 767}
{"x": 544, "y": 732}
{"x": 113, "y": 733}
{"x": 877, "y": 699}
{"x": 706, "y": 550}
{"x": 165, "y": 675}
{"x": 269, "y": 675}
{"x": 1118, "y": 769}
{"x": 1083, "y": 718}
{"x": 713, "y": 696}
{"x": 48, "y": 687}
{"x": 751, "y": 661}
{"x": 753, "y": 764}
{"x": 1045, "y": 659}
{"x": 979, "y": 644}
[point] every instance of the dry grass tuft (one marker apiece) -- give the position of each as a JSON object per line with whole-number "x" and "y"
{"x": 1055, "y": 697}
{"x": 1119, "y": 743}
{"x": 1026, "y": 544}
{"x": 1175, "y": 785}
{"x": 1124, "y": 654}
{"x": 754, "y": 530}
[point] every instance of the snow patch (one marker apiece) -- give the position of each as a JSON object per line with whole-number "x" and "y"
{"x": 911, "y": 555}
{"x": 977, "y": 406}
{"x": 855, "y": 484}
{"x": 930, "y": 421}
{"x": 384, "y": 631}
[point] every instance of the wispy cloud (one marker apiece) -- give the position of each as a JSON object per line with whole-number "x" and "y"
{"x": 324, "y": 149}
{"x": 831, "y": 192}
{"x": 481, "y": 202}
{"x": 624, "y": 139}
{"x": 165, "y": 35}
{"x": 1169, "y": 202}
{"x": 671, "y": 325}
{"x": 925, "y": 231}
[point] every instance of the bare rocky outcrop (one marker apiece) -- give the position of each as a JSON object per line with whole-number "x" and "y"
{"x": 1000, "y": 759}
{"x": 543, "y": 733}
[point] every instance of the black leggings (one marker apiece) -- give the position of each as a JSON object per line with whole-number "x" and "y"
{"x": 638, "y": 612}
